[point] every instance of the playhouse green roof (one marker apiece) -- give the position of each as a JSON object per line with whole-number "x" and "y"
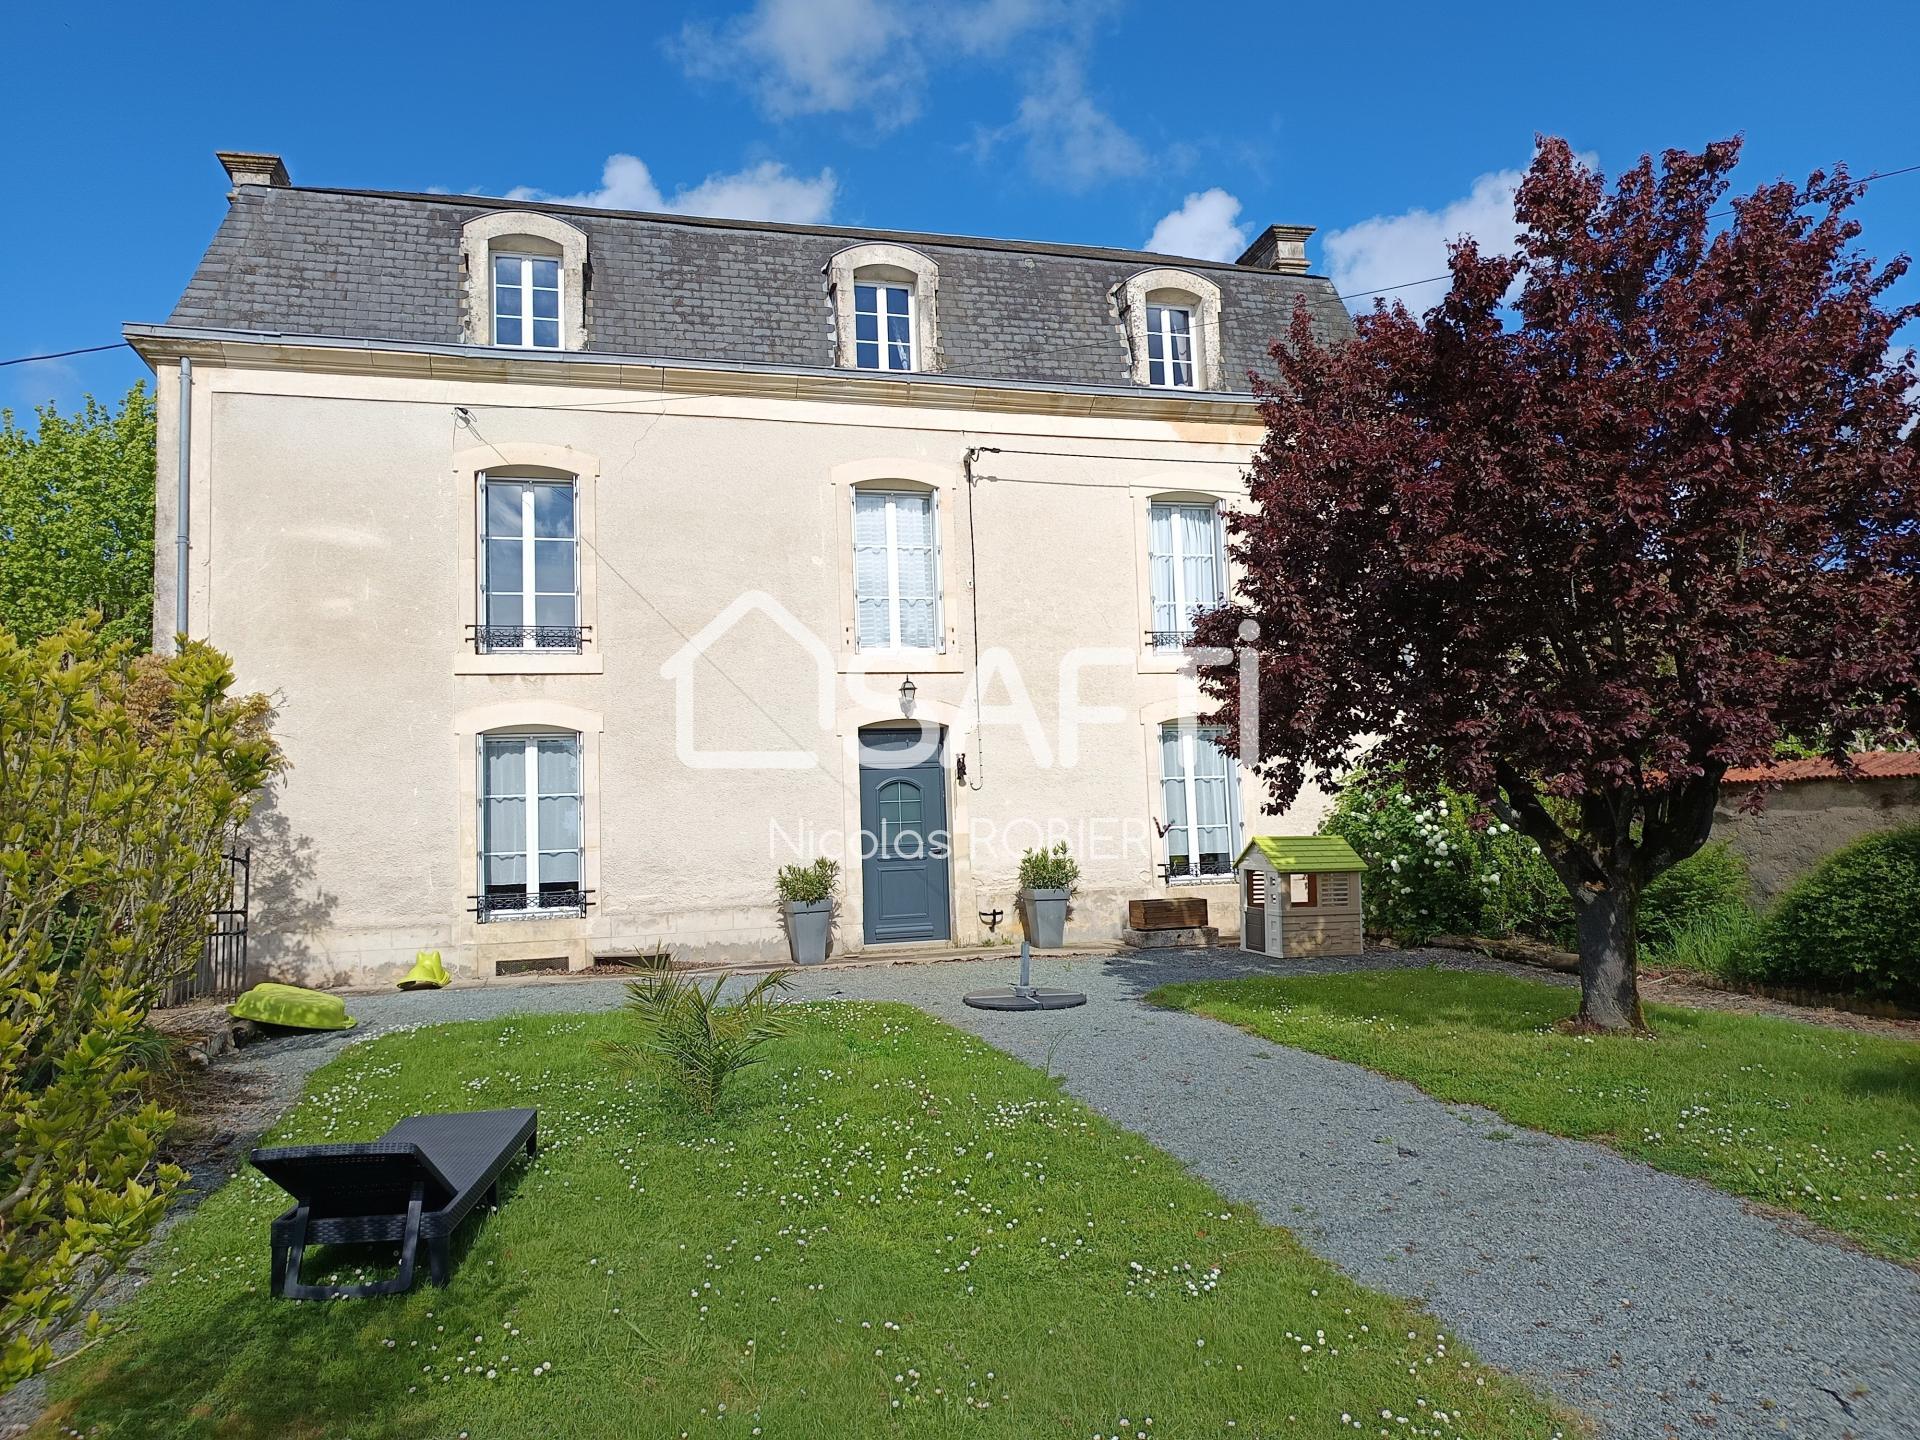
{"x": 1304, "y": 854}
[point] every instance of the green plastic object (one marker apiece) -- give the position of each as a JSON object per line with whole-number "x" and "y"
{"x": 427, "y": 973}
{"x": 289, "y": 1005}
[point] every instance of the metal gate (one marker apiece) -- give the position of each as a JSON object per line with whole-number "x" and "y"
{"x": 222, "y": 967}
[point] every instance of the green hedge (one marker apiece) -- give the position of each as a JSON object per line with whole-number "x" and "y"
{"x": 1852, "y": 923}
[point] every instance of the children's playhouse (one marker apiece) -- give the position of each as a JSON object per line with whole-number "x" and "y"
{"x": 1300, "y": 895}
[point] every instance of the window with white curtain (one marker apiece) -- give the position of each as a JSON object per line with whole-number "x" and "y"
{"x": 526, "y": 301}
{"x": 529, "y": 565}
{"x": 882, "y": 326}
{"x": 896, "y": 570}
{"x": 530, "y": 852}
{"x": 1200, "y": 800}
{"x": 1170, "y": 346}
{"x": 1187, "y": 568}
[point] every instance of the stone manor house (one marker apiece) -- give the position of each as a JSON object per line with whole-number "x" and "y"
{"x": 601, "y": 563}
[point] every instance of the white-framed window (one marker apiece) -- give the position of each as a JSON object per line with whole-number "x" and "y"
{"x": 1170, "y": 346}
{"x": 1199, "y": 800}
{"x": 1187, "y": 568}
{"x": 529, "y": 565}
{"x": 896, "y": 570}
{"x": 526, "y": 301}
{"x": 531, "y": 859}
{"x": 882, "y": 326}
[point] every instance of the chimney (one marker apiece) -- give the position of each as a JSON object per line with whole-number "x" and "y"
{"x": 1279, "y": 247}
{"x": 244, "y": 167}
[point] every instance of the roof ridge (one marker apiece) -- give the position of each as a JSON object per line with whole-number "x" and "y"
{"x": 785, "y": 227}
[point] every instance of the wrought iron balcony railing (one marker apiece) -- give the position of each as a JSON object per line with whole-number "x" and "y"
{"x": 519, "y": 905}
{"x": 1181, "y": 868}
{"x": 1169, "y": 639}
{"x": 494, "y": 639}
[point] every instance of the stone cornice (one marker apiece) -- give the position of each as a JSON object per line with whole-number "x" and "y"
{"x": 665, "y": 375}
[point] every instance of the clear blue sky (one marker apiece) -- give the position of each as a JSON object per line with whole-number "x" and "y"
{"x": 1074, "y": 120}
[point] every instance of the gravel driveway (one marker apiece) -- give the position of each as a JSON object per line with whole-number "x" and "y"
{"x": 1654, "y": 1303}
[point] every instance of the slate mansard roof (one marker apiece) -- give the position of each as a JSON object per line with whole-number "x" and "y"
{"x": 381, "y": 266}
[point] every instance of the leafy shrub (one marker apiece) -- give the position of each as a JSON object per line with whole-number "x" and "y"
{"x": 1708, "y": 885}
{"x": 1432, "y": 872}
{"x": 1051, "y": 869}
{"x": 808, "y": 884}
{"x": 1852, "y": 923}
{"x": 689, "y": 1038}
{"x": 121, "y": 780}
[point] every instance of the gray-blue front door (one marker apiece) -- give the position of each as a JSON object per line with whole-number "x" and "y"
{"x": 904, "y": 844}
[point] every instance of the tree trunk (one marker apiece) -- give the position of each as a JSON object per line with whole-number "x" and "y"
{"x": 1610, "y": 958}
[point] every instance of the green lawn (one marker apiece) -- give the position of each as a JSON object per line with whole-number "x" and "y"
{"x": 1818, "y": 1120}
{"x": 898, "y": 1232}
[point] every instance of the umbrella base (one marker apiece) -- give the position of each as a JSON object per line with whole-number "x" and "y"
{"x": 1024, "y": 997}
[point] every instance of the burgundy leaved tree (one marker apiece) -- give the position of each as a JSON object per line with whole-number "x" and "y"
{"x": 1624, "y": 510}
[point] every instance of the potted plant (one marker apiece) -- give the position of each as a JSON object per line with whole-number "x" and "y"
{"x": 1047, "y": 881}
{"x": 806, "y": 897}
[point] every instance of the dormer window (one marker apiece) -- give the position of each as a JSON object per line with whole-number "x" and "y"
{"x": 882, "y": 326}
{"x": 526, "y": 301}
{"x": 1172, "y": 320}
{"x": 526, "y": 281}
{"x": 1170, "y": 346}
{"x": 885, "y": 300}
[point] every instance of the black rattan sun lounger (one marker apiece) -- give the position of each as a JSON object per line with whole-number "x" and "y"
{"x": 417, "y": 1182}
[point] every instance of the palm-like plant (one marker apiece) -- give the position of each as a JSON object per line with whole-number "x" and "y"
{"x": 686, "y": 1035}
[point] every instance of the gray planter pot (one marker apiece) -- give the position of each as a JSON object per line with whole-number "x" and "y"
{"x": 1045, "y": 912}
{"x": 809, "y": 927}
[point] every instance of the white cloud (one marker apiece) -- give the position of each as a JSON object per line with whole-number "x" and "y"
{"x": 1393, "y": 249}
{"x": 767, "y": 191}
{"x": 804, "y": 57}
{"x": 1202, "y": 227}
{"x": 812, "y": 57}
{"x": 874, "y": 58}
{"x": 1069, "y": 140}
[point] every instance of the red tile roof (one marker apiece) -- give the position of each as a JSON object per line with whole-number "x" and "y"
{"x": 1867, "y": 765}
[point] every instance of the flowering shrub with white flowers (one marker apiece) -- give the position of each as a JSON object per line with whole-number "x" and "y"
{"x": 1432, "y": 871}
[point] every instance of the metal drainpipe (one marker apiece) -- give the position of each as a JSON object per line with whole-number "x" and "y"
{"x": 973, "y": 453}
{"x": 186, "y": 498}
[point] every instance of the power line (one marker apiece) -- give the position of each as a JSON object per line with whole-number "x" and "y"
{"x": 62, "y": 354}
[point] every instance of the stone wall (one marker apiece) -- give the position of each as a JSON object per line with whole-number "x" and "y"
{"x": 1806, "y": 821}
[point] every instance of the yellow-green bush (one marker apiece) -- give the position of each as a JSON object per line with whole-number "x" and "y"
{"x": 121, "y": 779}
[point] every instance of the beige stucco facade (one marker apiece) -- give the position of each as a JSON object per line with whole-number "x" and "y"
{"x": 333, "y": 557}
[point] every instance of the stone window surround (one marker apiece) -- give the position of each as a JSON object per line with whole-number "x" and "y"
{"x": 1186, "y": 708}
{"x": 897, "y": 473}
{"x": 522, "y": 232}
{"x": 1141, "y": 500}
{"x": 1168, "y": 286}
{"x": 468, "y": 466}
{"x": 898, "y": 265}
{"x": 533, "y": 936}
